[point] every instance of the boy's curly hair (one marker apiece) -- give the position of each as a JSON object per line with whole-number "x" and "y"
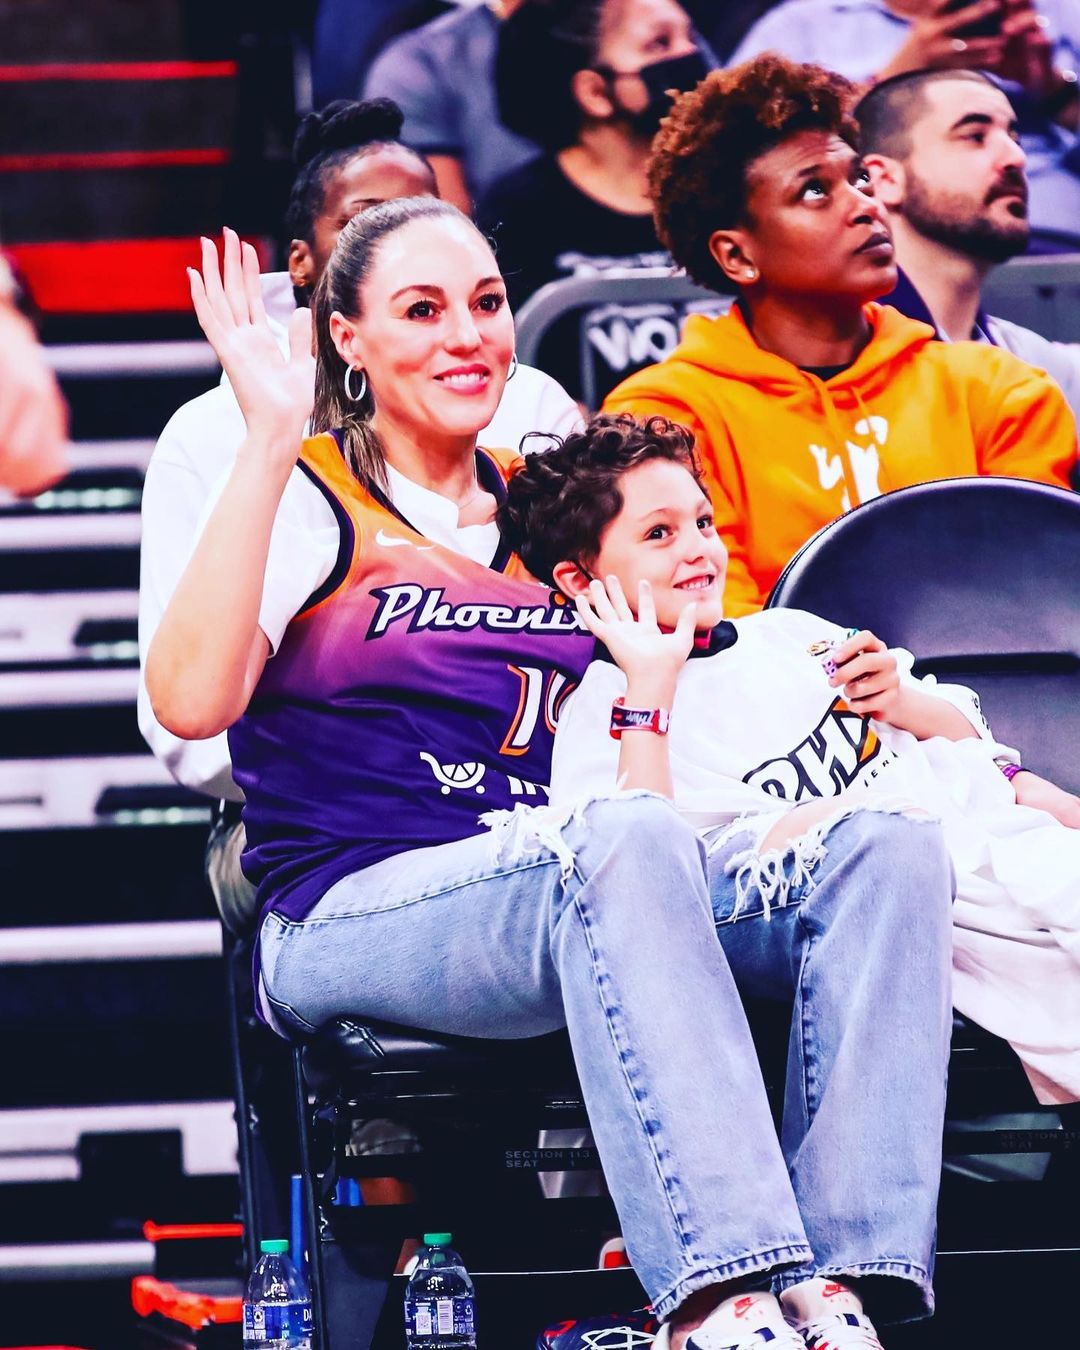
{"x": 713, "y": 134}
{"x": 560, "y": 502}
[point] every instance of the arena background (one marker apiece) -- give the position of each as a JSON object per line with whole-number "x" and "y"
{"x": 130, "y": 127}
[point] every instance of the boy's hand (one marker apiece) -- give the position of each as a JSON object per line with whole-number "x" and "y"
{"x": 869, "y": 675}
{"x": 1031, "y": 790}
{"x": 649, "y": 658}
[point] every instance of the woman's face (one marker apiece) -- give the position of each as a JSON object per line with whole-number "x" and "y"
{"x": 366, "y": 180}
{"x": 637, "y": 33}
{"x": 435, "y": 334}
{"x": 814, "y": 228}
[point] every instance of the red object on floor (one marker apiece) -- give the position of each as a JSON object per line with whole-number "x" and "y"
{"x": 150, "y": 1295}
{"x": 115, "y": 276}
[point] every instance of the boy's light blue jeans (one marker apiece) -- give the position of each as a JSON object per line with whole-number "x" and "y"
{"x": 606, "y": 925}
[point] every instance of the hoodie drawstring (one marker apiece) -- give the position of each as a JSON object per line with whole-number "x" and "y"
{"x": 853, "y": 494}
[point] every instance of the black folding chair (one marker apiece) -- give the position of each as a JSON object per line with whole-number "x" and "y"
{"x": 476, "y": 1106}
{"x": 979, "y": 578}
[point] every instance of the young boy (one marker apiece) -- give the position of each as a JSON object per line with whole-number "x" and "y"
{"x": 770, "y": 731}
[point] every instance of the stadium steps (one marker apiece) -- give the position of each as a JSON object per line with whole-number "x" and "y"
{"x": 133, "y": 129}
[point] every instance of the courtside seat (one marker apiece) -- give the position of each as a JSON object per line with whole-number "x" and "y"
{"x": 475, "y": 1107}
{"x": 978, "y": 578}
{"x": 348, "y": 1053}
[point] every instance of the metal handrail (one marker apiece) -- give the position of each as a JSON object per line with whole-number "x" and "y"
{"x": 75, "y": 1261}
{"x": 184, "y": 939}
{"x": 133, "y": 454}
{"x": 557, "y": 298}
{"x": 65, "y": 533}
{"x": 93, "y": 360}
{"x": 32, "y": 688}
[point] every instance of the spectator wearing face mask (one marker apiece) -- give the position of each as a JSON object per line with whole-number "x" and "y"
{"x": 943, "y": 149}
{"x": 589, "y": 80}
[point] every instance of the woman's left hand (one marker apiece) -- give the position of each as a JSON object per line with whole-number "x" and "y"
{"x": 868, "y": 674}
{"x": 1031, "y": 790}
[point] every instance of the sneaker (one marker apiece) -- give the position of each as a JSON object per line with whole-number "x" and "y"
{"x": 613, "y": 1255}
{"x": 747, "y": 1322}
{"x": 761, "y": 1338}
{"x": 841, "y": 1331}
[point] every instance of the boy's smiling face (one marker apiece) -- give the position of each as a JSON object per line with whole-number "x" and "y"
{"x": 665, "y": 535}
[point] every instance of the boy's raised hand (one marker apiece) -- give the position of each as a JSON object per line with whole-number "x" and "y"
{"x": 642, "y": 650}
{"x": 275, "y": 392}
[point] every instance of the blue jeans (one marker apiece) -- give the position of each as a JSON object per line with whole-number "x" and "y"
{"x": 604, "y": 923}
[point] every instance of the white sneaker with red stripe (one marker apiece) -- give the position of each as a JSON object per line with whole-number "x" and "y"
{"x": 752, "y": 1321}
{"x": 760, "y": 1338}
{"x": 757, "y": 1338}
{"x": 841, "y": 1331}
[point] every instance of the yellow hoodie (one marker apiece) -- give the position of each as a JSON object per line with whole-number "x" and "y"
{"x": 784, "y": 452}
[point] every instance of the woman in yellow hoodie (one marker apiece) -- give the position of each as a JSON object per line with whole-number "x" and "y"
{"x": 807, "y": 398}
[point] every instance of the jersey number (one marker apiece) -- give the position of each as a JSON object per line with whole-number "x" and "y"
{"x": 542, "y": 694}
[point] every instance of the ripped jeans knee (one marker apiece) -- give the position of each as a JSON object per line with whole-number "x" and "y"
{"x": 770, "y": 878}
{"x": 633, "y": 820}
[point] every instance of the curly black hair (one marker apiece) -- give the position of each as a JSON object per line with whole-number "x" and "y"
{"x": 560, "y": 502}
{"x": 713, "y": 134}
{"x": 329, "y": 138}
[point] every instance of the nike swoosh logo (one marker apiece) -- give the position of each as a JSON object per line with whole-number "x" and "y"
{"x": 395, "y": 541}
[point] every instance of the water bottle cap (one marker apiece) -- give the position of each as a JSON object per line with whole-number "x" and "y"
{"x": 437, "y": 1239}
{"x": 274, "y": 1246}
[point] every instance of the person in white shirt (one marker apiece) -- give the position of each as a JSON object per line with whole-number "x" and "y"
{"x": 349, "y": 159}
{"x": 775, "y": 735}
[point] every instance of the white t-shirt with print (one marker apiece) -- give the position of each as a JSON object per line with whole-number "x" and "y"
{"x": 756, "y": 729}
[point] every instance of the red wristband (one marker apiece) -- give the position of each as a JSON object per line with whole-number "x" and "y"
{"x": 638, "y": 719}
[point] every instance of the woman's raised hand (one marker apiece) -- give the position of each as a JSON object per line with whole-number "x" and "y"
{"x": 641, "y": 649}
{"x": 275, "y": 392}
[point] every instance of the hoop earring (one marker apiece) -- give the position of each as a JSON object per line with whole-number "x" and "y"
{"x": 355, "y": 398}
{"x": 513, "y": 368}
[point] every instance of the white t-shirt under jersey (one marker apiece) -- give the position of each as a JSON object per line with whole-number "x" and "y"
{"x": 193, "y": 456}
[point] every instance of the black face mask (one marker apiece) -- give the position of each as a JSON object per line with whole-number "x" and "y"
{"x": 673, "y": 72}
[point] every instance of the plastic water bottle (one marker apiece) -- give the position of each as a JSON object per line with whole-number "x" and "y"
{"x": 440, "y": 1312}
{"x": 277, "y": 1305}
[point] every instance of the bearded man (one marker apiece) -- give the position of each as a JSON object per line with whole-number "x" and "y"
{"x": 943, "y": 149}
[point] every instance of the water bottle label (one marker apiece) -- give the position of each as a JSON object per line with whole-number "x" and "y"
{"x": 277, "y": 1321}
{"x": 450, "y": 1317}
